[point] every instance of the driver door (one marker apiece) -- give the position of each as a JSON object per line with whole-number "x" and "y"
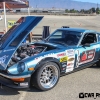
{"x": 86, "y": 51}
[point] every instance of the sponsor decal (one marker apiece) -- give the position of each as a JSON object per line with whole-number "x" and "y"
{"x": 37, "y": 59}
{"x": 64, "y": 65}
{"x": 70, "y": 52}
{"x": 70, "y": 64}
{"x": 24, "y": 84}
{"x": 78, "y": 58}
{"x": 61, "y": 54}
{"x": 69, "y": 69}
{"x": 71, "y": 59}
{"x": 63, "y": 59}
{"x": 87, "y": 56}
{"x": 2, "y": 60}
{"x": 8, "y": 50}
{"x": 47, "y": 55}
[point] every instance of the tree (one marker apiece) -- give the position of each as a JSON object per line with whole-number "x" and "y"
{"x": 66, "y": 10}
{"x": 97, "y": 10}
{"x": 93, "y": 10}
{"x": 82, "y": 11}
{"x": 72, "y": 11}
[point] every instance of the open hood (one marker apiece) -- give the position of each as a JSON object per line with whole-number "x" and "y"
{"x": 14, "y": 37}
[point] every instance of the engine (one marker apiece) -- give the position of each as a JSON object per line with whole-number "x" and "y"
{"x": 26, "y": 51}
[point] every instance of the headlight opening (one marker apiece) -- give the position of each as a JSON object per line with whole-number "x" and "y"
{"x": 21, "y": 67}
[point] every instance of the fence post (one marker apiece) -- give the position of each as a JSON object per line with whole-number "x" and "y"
{"x": 30, "y": 37}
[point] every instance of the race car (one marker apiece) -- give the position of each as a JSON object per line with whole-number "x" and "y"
{"x": 41, "y": 64}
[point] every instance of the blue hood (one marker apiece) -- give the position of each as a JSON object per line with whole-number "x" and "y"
{"x": 14, "y": 37}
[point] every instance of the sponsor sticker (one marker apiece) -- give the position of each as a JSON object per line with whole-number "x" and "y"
{"x": 8, "y": 50}
{"x": 61, "y": 54}
{"x": 70, "y": 52}
{"x": 3, "y": 59}
{"x": 63, "y": 59}
{"x": 70, "y": 64}
{"x": 24, "y": 84}
{"x": 71, "y": 59}
{"x": 87, "y": 56}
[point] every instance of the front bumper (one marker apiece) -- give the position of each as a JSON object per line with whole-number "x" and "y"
{"x": 6, "y": 80}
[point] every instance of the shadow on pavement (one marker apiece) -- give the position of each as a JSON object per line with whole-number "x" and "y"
{"x": 8, "y": 91}
{"x": 95, "y": 66}
{"x": 33, "y": 89}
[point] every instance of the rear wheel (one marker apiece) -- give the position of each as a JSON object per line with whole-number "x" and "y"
{"x": 46, "y": 77}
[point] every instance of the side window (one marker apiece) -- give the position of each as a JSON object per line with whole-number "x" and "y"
{"x": 57, "y": 35}
{"x": 89, "y": 38}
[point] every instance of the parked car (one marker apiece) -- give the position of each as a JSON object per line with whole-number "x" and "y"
{"x": 1, "y": 18}
{"x": 41, "y": 64}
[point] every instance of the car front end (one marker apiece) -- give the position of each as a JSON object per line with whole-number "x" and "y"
{"x": 17, "y": 76}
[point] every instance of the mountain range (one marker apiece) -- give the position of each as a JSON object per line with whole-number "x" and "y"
{"x": 64, "y": 4}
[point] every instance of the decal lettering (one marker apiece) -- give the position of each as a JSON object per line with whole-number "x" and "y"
{"x": 61, "y": 54}
{"x": 64, "y": 65}
{"x": 24, "y": 84}
{"x": 3, "y": 59}
{"x": 70, "y": 52}
{"x": 70, "y": 64}
{"x": 71, "y": 59}
{"x": 87, "y": 56}
{"x": 64, "y": 59}
{"x": 47, "y": 55}
{"x": 8, "y": 50}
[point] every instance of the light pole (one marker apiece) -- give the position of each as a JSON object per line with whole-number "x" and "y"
{"x": 4, "y": 6}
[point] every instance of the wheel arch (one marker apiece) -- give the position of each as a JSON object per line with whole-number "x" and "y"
{"x": 46, "y": 60}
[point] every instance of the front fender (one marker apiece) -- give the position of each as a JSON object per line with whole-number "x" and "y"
{"x": 48, "y": 59}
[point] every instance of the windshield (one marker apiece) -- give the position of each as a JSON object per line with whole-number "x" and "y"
{"x": 65, "y": 37}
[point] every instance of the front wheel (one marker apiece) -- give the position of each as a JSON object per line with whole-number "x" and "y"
{"x": 46, "y": 77}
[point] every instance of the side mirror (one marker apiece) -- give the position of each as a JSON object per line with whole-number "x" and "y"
{"x": 86, "y": 45}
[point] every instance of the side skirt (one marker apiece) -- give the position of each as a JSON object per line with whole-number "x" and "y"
{"x": 78, "y": 69}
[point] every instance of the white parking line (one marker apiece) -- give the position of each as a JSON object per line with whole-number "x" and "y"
{"x": 22, "y": 96}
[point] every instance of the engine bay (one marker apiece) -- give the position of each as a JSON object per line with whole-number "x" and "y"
{"x": 28, "y": 50}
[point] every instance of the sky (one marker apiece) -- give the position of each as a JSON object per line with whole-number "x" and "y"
{"x": 92, "y": 1}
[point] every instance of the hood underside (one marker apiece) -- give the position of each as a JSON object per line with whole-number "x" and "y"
{"x": 15, "y": 36}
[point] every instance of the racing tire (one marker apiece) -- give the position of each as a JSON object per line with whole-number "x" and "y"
{"x": 46, "y": 76}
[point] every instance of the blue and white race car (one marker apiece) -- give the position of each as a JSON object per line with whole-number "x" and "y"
{"x": 41, "y": 64}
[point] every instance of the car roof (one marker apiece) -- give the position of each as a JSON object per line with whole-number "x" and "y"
{"x": 77, "y": 29}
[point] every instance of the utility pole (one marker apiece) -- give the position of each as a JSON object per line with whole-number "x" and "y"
{"x": 97, "y": 5}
